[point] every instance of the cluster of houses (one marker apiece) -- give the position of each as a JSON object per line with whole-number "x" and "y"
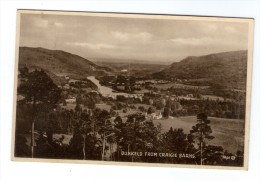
{"x": 71, "y": 100}
{"x": 115, "y": 96}
{"x": 155, "y": 116}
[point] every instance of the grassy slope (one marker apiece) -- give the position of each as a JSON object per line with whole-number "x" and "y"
{"x": 229, "y": 133}
{"x": 226, "y": 69}
{"x": 58, "y": 62}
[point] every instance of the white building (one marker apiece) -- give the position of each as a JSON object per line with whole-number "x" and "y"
{"x": 71, "y": 101}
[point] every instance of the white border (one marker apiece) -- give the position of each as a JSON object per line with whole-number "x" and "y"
{"x": 250, "y": 24}
{"x": 44, "y": 171}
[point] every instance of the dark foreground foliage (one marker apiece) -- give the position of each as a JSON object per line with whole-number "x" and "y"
{"x": 96, "y": 134}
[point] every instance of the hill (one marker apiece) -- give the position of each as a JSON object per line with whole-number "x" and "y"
{"x": 225, "y": 70}
{"x": 59, "y": 62}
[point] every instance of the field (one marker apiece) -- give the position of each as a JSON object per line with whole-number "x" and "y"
{"x": 178, "y": 85}
{"x": 228, "y": 133}
{"x": 103, "y": 106}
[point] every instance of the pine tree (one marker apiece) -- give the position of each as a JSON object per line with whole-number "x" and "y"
{"x": 201, "y": 133}
{"x": 40, "y": 91}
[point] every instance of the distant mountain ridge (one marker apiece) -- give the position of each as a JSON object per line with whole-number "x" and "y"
{"x": 222, "y": 70}
{"x": 227, "y": 70}
{"x": 59, "y": 62}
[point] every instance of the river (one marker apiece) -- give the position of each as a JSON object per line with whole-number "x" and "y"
{"x": 107, "y": 91}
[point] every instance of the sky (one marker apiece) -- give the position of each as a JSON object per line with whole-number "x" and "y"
{"x": 160, "y": 41}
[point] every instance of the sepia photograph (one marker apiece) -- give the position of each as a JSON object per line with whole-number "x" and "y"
{"x": 132, "y": 89}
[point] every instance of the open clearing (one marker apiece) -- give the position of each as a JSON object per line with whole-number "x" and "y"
{"x": 228, "y": 133}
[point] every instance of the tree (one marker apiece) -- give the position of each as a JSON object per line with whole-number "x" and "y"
{"x": 23, "y": 116}
{"x": 40, "y": 91}
{"x": 76, "y": 143}
{"x": 168, "y": 103}
{"x": 175, "y": 140}
{"x": 79, "y": 99}
{"x": 85, "y": 129}
{"x": 119, "y": 126}
{"x": 239, "y": 158}
{"x": 166, "y": 112}
{"x": 136, "y": 134}
{"x": 64, "y": 102}
{"x": 107, "y": 135}
{"x": 78, "y": 109}
{"x": 214, "y": 155}
{"x": 102, "y": 125}
{"x": 159, "y": 104}
{"x": 141, "y": 108}
{"x": 21, "y": 149}
{"x": 201, "y": 133}
{"x": 150, "y": 110}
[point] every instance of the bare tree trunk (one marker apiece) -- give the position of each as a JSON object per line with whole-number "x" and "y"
{"x": 201, "y": 142}
{"x": 32, "y": 139}
{"x": 110, "y": 150}
{"x": 128, "y": 150}
{"x": 117, "y": 154}
{"x": 94, "y": 128}
{"x": 104, "y": 144}
{"x": 84, "y": 147}
{"x": 201, "y": 162}
{"x": 32, "y": 130}
{"x": 112, "y": 154}
{"x": 70, "y": 127}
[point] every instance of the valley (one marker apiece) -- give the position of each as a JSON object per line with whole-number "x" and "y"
{"x": 166, "y": 96}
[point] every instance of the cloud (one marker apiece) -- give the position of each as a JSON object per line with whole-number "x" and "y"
{"x": 60, "y": 25}
{"x": 144, "y": 36}
{"x": 119, "y": 35}
{"x": 191, "y": 41}
{"x": 41, "y": 23}
{"x": 44, "y": 23}
{"x": 230, "y": 29}
{"x": 93, "y": 46}
{"x": 228, "y": 44}
{"x": 128, "y": 38}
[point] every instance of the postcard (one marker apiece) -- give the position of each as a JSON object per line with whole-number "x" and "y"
{"x": 132, "y": 89}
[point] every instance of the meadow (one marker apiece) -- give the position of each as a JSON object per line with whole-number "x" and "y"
{"x": 228, "y": 133}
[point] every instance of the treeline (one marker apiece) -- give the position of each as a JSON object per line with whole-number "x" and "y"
{"x": 83, "y": 84}
{"x": 96, "y": 135}
{"x": 189, "y": 107}
{"x": 221, "y": 109}
{"x": 184, "y": 107}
